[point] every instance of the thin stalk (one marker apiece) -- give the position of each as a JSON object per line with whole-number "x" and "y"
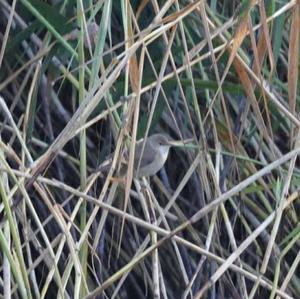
{"x": 83, "y": 253}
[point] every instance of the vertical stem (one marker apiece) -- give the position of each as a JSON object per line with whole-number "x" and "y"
{"x": 84, "y": 247}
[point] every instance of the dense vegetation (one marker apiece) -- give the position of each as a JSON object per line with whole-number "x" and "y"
{"x": 84, "y": 80}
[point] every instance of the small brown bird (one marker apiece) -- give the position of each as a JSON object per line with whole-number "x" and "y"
{"x": 153, "y": 158}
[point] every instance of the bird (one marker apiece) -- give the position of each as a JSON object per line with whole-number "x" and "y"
{"x": 154, "y": 156}
{"x": 147, "y": 162}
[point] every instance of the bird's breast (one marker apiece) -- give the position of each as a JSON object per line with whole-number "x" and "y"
{"x": 163, "y": 152}
{"x": 157, "y": 163}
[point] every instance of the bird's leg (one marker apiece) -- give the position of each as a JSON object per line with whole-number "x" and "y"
{"x": 144, "y": 184}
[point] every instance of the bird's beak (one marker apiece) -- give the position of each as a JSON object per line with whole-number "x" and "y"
{"x": 179, "y": 143}
{"x": 171, "y": 142}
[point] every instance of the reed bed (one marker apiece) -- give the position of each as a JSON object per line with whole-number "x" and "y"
{"x": 81, "y": 81}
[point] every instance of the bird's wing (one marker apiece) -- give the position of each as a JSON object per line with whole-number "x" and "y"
{"x": 148, "y": 155}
